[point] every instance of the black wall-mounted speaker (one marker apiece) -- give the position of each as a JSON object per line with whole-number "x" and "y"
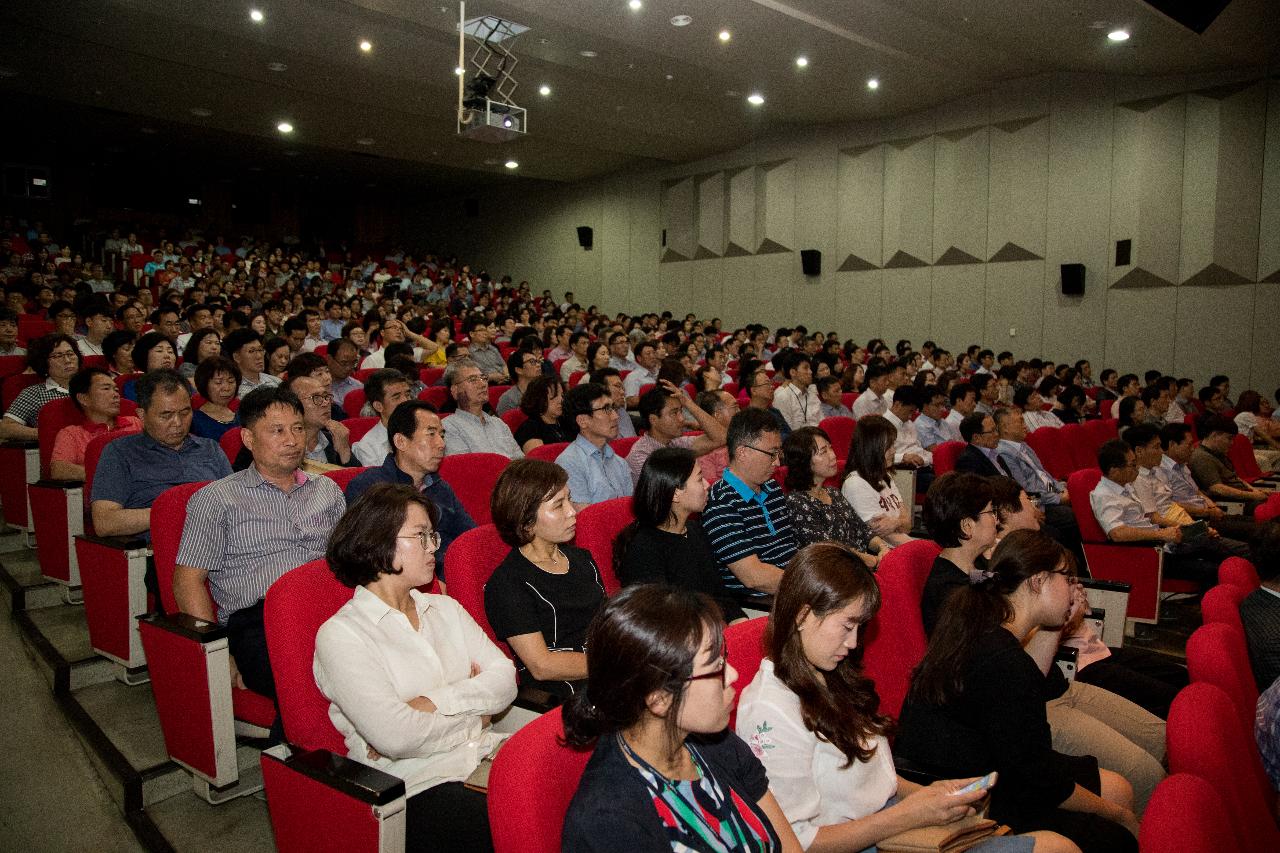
{"x": 811, "y": 261}
{"x": 585, "y": 237}
{"x": 1073, "y": 279}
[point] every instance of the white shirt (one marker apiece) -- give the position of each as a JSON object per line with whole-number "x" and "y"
{"x": 265, "y": 380}
{"x": 867, "y": 502}
{"x": 799, "y": 409}
{"x": 807, "y": 775}
{"x": 373, "y": 448}
{"x": 571, "y": 365}
{"x": 954, "y": 418}
{"x": 87, "y": 347}
{"x": 870, "y": 403}
{"x": 468, "y": 433}
{"x": 1038, "y": 420}
{"x": 369, "y": 662}
{"x": 637, "y": 379}
{"x": 379, "y": 359}
{"x": 907, "y": 441}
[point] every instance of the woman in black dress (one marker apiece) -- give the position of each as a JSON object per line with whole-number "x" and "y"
{"x": 543, "y": 402}
{"x": 541, "y": 598}
{"x": 664, "y": 544}
{"x": 977, "y": 701}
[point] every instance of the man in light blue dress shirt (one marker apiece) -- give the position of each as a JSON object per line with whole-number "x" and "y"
{"x": 596, "y": 472}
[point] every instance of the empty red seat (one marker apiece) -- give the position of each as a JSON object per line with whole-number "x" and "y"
{"x": 598, "y": 525}
{"x": 1186, "y": 815}
{"x": 894, "y": 642}
{"x": 840, "y": 430}
{"x": 472, "y": 476}
{"x": 495, "y": 393}
{"x": 946, "y": 453}
{"x": 533, "y": 779}
{"x": 353, "y": 402}
{"x": 1240, "y": 572}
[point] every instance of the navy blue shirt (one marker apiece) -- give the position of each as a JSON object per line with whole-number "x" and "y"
{"x": 134, "y": 470}
{"x": 454, "y": 518}
{"x": 740, "y": 521}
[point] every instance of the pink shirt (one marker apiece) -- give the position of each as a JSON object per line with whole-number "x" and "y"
{"x": 72, "y": 440}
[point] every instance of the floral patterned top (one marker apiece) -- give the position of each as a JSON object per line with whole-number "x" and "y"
{"x": 814, "y": 521}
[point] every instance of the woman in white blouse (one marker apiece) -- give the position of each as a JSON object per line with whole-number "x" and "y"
{"x": 811, "y": 717}
{"x": 412, "y": 679}
{"x": 868, "y": 481}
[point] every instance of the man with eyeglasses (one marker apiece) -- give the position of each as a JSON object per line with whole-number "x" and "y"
{"x": 384, "y": 391}
{"x": 244, "y": 347}
{"x": 524, "y": 367}
{"x": 746, "y": 517}
{"x": 596, "y": 472}
{"x": 343, "y": 358}
{"x": 611, "y": 379}
{"x": 417, "y": 448}
{"x": 328, "y": 443}
{"x": 982, "y": 455}
{"x": 470, "y": 428}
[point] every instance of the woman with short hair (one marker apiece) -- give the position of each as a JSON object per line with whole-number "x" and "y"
{"x": 665, "y": 775}
{"x": 53, "y": 358}
{"x": 411, "y": 678}
{"x": 543, "y": 403}
{"x": 217, "y": 380}
{"x": 205, "y": 343}
{"x": 959, "y": 516}
{"x": 541, "y": 597}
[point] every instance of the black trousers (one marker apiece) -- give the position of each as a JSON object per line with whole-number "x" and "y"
{"x": 1199, "y": 561}
{"x": 247, "y": 642}
{"x": 449, "y": 817}
{"x": 1060, "y": 525}
{"x": 1144, "y": 678}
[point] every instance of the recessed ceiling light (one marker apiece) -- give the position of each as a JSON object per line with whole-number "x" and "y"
{"x": 366, "y": 45}
{"x": 256, "y": 16}
{"x": 589, "y": 54}
{"x": 284, "y": 127}
{"x": 277, "y": 66}
{"x": 459, "y": 71}
{"x": 1118, "y": 35}
{"x": 725, "y": 35}
{"x": 149, "y": 131}
{"x": 671, "y": 77}
{"x": 364, "y": 140}
{"x": 755, "y": 99}
{"x": 802, "y": 62}
{"x": 202, "y": 112}
{"x": 511, "y": 164}
{"x": 544, "y": 90}
{"x": 681, "y": 20}
{"x": 635, "y": 5}
{"x": 873, "y": 84}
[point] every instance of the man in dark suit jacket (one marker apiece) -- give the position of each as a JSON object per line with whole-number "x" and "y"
{"x": 1260, "y": 611}
{"x": 980, "y": 456}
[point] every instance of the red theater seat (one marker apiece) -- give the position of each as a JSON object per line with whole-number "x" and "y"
{"x": 1186, "y": 815}
{"x": 472, "y": 477}
{"x": 894, "y": 642}
{"x": 547, "y": 452}
{"x": 598, "y": 525}
{"x": 533, "y": 780}
{"x": 1240, "y": 572}
{"x": 945, "y": 455}
{"x": 743, "y": 650}
{"x": 840, "y": 430}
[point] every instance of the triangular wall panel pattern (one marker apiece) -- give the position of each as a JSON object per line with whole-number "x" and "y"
{"x": 1147, "y": 187}
{"x": 908, "y": 202}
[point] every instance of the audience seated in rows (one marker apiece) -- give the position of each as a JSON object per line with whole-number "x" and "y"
{"x": 1049, "y": 493}
{"x": 385, "y": 390}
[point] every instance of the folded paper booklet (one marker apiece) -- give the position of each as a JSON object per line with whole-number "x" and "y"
{"x": 479, "y": 778}
{"x": 949, "y": 838}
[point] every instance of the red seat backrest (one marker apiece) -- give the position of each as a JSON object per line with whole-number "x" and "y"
{"x": 598, "y": 525}
{"x": 32, "y": 326}
{"x": 436, "y": 395}
{"x": 11, "y": 364}
{"x": 344, "y": 476}
{"x": 231, "y": 443}
{"x": 894, "y": 642}
{"x": 1242, "y": 459}
{"x": 495, "y": 392}
{"x": 513, "y": 418}
{"x": 1206, "y": 740}
{"x": 1078, "y": 446}
{"x": 472, "y": 477}
{"x": 1104, "y": 408}
{"x": 168, "y": 515}
{"x": 358, "y": 427}
{"x": 53, "y": 416}
{"x": 468, "y": 564}
{"x": 353, "y": 403}
{"x": 1217, "y": 654}
{"x": 296, "y": 606}
{"x": 1080, "y": 485}
{"x": 622, "y": 446}
{"x": 849, "y": 398}
{"x": 532, "y": 781}
{"x": 431, "y": 375}
{"x": 575, "y": 377}
{"x": 1048, "y": 444}
{"x": 1222, "y": 604}
{"x": 548, "y": 452}
{"x": 14, "y": 385}
{"x": 1186, "y": 815}
{"x": 1269, "y": 510}
{"x": 945, "y": 455}
{"x": 743, "y": 650}
{"x": 840, "y": 430}
{"x": 1240, "y": 572}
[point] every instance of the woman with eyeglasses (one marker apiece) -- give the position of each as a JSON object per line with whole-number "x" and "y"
{"x": 811, "y": 716}
{"x": 868, "y": 481}
{"x": 665, "y": 774}
{"x": 541, "y": 598}
{"x": 820, "y": 513}
{"x": 411, "y": 678}
{"x": 217, "y": 381}
{"x": 53, "y": 358}
{"x": 977, "y": 701}
{"x": 959, "y": 516}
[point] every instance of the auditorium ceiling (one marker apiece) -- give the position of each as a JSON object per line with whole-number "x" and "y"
{"x": 202, "y": 73}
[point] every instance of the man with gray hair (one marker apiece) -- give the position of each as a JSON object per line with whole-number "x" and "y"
{"x": 470, "y": 429}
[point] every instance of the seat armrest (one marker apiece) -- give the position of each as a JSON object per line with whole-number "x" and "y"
{"x": 347, "y": 776}
{"x": 1105, "y": 585}
{"x": 186, "y": 625}
{"x": 120, "y": 543}
{"x": 50, "y": 483}
{"x": 535, "y": 699}
{"x": 21, "y": 444}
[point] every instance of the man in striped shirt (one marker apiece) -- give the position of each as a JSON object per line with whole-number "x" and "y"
{"x": 246, "y": 530}
{"x": 746, "y": 517}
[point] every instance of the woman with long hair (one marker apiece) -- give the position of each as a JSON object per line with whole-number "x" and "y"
{"x": 205, "y": 343}
{"x": 868, "y": 481}
{"x": 666, "y": 543}
{"x": 819, "y": 512}
{"x": 543, "y": 402}
{"x": 665, "y": 775}
{"x": 977, "y": 701}
{"x": 811, "y": 716}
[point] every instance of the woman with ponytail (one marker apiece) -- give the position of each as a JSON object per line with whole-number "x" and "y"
{"x": 977, "y": 701}
{"x": 665, "y": 774}
{"x": 811, "y": 717}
